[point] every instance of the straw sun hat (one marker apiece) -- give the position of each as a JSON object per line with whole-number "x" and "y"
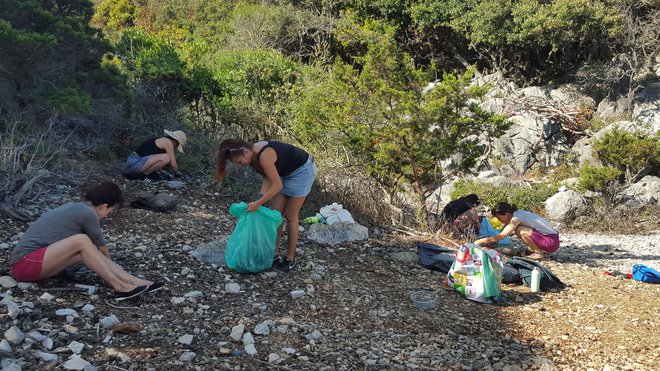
{"x": 177, "y": 135}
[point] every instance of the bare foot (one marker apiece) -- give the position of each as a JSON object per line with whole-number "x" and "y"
{"x": 536, "y": 256}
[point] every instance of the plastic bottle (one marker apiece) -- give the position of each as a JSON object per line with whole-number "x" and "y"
{"x": 536, "y": 280}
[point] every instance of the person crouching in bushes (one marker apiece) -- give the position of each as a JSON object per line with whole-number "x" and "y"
{"x": 71, "y": 234}
{"x": 532, "y": 229}
{"x": 460, "y": 217}
{"x": 287, "y": 173}
{"x": 152, "y": 155}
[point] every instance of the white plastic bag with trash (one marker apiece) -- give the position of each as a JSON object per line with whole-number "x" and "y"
{"x": 336, "y": 213}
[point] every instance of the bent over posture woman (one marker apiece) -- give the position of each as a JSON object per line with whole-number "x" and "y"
{"x": 72, "y": 234}
{"x": 287, "y": 176}
{"x": 532, "y": 229}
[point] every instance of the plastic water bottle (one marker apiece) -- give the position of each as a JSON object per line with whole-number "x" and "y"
{"x": 536, "y": 280}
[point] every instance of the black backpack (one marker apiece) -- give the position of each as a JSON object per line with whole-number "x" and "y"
{"x": 155, "y": 201}
{"x": 549, "y": 282}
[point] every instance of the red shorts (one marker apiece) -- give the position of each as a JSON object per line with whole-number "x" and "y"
{"x": 548, "y": 243}
{"x": 28, "y": 268}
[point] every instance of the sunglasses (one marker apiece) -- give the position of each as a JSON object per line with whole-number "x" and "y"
{"x": 231, "y": 152}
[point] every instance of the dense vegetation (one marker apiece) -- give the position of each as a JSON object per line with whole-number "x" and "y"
{"x": 344, "y": 78}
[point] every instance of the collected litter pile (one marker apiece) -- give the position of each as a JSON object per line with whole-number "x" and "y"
{"x": 333, "y": 225}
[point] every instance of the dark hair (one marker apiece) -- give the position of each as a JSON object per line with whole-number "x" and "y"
{"x": 228, "y": 149}
{"x": 106, "y": 193}
{"x": 472, "y": 198}
{"x": 503, "y": 208}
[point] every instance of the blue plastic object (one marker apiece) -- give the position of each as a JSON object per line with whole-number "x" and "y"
{"x": 251, "y": 246}
{"x": 487, "y": 230}
{"x": 645, "y": 274}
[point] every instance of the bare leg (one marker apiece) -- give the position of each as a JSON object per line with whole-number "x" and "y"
{"x": 525, "y": 234}
{"x": 291, "y": 213}
{"x": 155, "y": 163}
{"x": 279, "y": 203}
{"x": 79, "y": 248}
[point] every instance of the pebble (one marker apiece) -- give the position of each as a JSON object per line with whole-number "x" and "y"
{"x": 187, "y": 356}
{"x": 232, "y": 288}
{"x": 274, "y": 358}
{"x": 76, "y": 347}
{"x": 46, "y": 297}
{"x": 7, "y": 282}
{"x": 177, "y": 300}
{"x": 193, "y": 294}
{"x": 237, "y": 332}
{"x": 13, "y": 310}
{"x": 263, "y": 328}
{"x": 250, "y": 349}
{"x": 295, "y": 294}
{"x": 67, "y": 312}
{"x": 186, "y": 339}
{"x": 315, "y": 336}
{"x": 77, "y": 363}
{"x": 36, "y": 335}
{"x": 47, "y": 343}
{"x": 109, "y": 321}
{"x": 5, "y": 346}
{"x": 248, "y": 338}
{"x": 46, "y": 357}
{"x": 14, "y": 335}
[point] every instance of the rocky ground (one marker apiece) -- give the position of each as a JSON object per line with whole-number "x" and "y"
{"x": 354, "y": 312}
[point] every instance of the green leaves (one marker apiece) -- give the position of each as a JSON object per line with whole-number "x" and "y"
{"x": 381, "y": 115}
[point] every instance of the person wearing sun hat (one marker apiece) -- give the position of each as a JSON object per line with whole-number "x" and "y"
{"x": 154, "y": 154}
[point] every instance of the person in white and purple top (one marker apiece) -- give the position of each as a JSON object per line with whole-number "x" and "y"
{"x": 532, "y": 229}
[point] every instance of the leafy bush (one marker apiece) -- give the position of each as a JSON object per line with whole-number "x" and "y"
{"x": 525, "y": 198}
{"x": 630, "y": 152}
{"x": 597, "y": 178}
{"x": 70, "y": 100}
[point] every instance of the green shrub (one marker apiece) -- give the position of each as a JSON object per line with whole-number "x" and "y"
{"x": 70, "y": 100}
{"x": 596, "y": 178}
{"x": 627, "y": 151}
{"x": 524, "y": 198}
{"x": 103, "y": 152}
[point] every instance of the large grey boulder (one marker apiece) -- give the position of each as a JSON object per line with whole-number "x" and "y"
{"x": 213, "y": 252}
{"x": 565, "y": 206}
{"x": 609, "y": 109}
{"x": 647, "y": 107}
{"x": 646, "y": 192}
{"x": 532, "y": 138}
{"x": 569, "y": 98}
{"x": 336, "y": 233}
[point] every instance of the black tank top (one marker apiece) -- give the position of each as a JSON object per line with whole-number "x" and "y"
{"x": 289, "y": 157}
{"x": 148, "y": 147}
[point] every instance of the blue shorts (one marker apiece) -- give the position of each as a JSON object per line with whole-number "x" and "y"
{"x": 134, "y": 164}
{"x": 299, "y": 182}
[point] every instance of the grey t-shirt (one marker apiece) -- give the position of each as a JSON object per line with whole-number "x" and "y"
{"x": 534, "y": 221}
{"x": 58, "y": 224}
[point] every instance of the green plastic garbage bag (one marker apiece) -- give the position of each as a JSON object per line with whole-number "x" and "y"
{"x": 251, "y": 246}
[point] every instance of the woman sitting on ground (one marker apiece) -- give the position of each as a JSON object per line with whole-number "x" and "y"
{"x": 71, "y": 234}
{"x": 460, "y": 217}
{"x": 533, "y": 230}
{"x": 152, "y": 155}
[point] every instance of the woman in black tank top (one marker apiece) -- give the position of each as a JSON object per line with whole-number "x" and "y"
{"x": 287, "y": 176}
{"x": 153, "y": 154}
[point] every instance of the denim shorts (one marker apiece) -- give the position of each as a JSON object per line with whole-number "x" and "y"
{"x": 299, "y": 182}
{"x": 134, "y": 164}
